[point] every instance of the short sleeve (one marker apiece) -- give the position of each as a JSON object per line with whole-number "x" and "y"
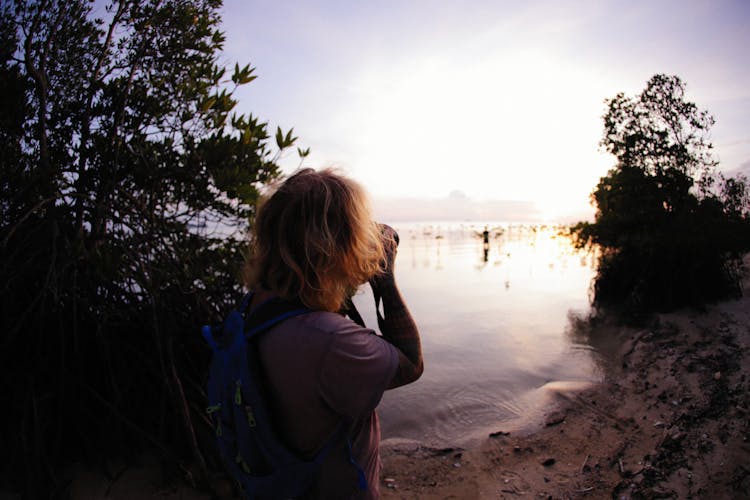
{"x": 356, "y": 370}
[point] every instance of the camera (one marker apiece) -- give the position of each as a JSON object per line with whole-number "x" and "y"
{"x": 388, "y": 234}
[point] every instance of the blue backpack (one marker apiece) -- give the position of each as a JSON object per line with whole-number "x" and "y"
{"x": 238, "y": 409}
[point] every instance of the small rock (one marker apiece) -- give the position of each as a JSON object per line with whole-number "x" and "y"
{"x": 717, "y": 376}
{"x": 499, "y": 433}
{"x": 457, "y": 465}
{"x": 555, "y": 418}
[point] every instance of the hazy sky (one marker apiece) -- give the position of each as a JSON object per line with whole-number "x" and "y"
{"x": 466, "y": 104}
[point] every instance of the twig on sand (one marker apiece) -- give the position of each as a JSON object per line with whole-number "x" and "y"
{"x": 634, "y": 342}
{"x": 583, "y": 465}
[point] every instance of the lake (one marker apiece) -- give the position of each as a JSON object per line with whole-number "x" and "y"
{"x": 494, "y": 324}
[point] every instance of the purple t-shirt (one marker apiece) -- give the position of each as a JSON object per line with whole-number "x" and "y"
{"x": 321, "y": 367}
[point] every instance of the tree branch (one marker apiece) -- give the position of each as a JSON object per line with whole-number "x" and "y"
{"x": 86, "y": 119}
{"x": 41, "y": 87}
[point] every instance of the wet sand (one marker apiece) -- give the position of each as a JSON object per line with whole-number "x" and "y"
{"x": 669, "y": 421}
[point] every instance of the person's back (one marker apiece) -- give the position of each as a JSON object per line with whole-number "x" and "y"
{"x": 323, "y": 367}
{"x": 315, "y": 243}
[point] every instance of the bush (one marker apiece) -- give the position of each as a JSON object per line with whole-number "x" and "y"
{"x": 669, "y": 230}
{"x": 126, "y": 194}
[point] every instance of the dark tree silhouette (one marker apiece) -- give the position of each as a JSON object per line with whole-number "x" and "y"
{"x": 671, "y": 231}
{"x": 126, "y": 190}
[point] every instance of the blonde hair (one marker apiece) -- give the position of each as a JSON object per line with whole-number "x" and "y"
{"x": 314, "y": 240}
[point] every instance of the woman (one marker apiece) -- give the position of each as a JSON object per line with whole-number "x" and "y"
{"x": 315, "y": 242}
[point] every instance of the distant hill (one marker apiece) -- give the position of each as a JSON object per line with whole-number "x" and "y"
{"x": 458, "y": 207}
{"x": 454, "y": 208}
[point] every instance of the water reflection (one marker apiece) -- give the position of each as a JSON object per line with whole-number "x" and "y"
{"x": 492, "y": 302}
{"x": 602, "y": 333}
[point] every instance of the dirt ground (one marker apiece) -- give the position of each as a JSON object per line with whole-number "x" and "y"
{"x": 669, "y": 421}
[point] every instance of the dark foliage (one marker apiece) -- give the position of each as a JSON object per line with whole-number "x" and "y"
{"x": 670, "y": 232}
{"x": 126, "y": 190}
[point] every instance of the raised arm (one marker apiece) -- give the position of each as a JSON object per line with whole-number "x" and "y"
{"x": 396, "y": 323}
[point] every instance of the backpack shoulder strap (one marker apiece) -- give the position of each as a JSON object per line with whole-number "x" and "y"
{"x": 350, "y": 310}
{"x": 270, "y": 313}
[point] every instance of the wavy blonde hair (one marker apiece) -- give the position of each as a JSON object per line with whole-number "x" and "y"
{"x": 314, "y": 240}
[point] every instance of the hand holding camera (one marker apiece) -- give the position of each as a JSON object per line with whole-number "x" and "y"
{"x": 390, "y": 241}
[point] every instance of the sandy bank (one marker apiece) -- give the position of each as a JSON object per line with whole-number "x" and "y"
{"x": 670, "y": 421}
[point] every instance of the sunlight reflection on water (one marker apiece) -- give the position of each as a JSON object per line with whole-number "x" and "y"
{"x": 494, "y": 326}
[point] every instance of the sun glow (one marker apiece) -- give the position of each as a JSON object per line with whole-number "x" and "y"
{"x": 515, "y": 127}
{"x": 497, "y": 100}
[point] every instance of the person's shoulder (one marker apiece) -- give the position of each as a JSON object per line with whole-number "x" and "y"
{"x": 339, "y": 333}
{"x": 342, "y": 333}
{"x": 331, "y": 322}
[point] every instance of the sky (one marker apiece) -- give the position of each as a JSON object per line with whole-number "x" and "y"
{"x": 479, "y": 109}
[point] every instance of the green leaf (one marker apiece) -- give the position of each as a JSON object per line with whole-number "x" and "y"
{"x": 247, "y": 79}
{"x": 208, "y": 104}
{"x": 284, "y": 141}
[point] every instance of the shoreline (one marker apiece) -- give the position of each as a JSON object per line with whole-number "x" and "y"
{"x": 670, "y": 420}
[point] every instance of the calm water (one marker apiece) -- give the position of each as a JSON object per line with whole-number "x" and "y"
{"x": 495, "y": 329}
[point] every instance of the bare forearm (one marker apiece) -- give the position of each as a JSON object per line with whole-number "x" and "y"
{"x": 398, "y": 327}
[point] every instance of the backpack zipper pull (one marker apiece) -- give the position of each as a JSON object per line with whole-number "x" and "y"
{"x": 241, "y": 462}
{"x": 238, "y": 393}
{"x": 250, "y": 416}
{"x": 210, "y": 411}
